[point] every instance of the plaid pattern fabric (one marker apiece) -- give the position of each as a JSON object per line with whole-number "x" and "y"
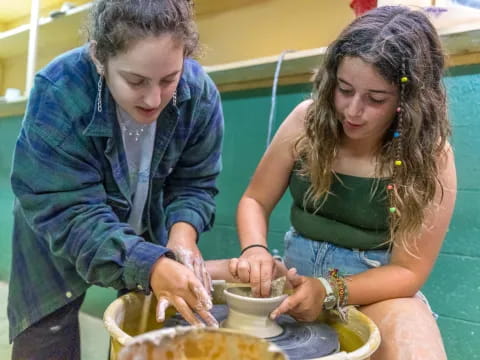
{"x": 70, "y": 180}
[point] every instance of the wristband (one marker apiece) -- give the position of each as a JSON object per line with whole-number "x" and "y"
{"x": 254, "y": 245}
{"x": 330, "y": 299}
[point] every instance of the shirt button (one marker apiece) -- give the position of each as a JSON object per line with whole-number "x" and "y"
{"x": 68, "y": 294}
{"x": 139, "y": 287}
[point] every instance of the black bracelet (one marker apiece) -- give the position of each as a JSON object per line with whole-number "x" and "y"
{"x": 254, "y": 245}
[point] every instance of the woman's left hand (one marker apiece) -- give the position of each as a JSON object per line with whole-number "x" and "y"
{"x": 192, "y": 258}
{"x": 306, "y": 303}
{"x": 183, "y": 242}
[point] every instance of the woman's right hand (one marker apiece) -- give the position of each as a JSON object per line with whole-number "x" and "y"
{"x": 306, "y": 303}
{"x": 257, "y": 267}
{"x": 175, "y": 284}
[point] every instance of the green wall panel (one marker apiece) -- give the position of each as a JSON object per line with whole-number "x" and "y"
{"x": 461, "y": 338}
{"x": 453, "y": 288}
{"x": 246, "y": 127}
{"x": 9, "y": 129}
{"x": 463, "y": 86}
{"x": 464, "y": 230}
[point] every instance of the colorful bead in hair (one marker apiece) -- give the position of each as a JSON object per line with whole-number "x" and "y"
{"x": 397, "y": 147}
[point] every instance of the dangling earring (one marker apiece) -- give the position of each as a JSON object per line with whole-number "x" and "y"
{"x": 99, "y": 91}
{"x": 174, "y": 99}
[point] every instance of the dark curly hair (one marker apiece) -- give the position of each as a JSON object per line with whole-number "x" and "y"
{"x": 115, "y": 24}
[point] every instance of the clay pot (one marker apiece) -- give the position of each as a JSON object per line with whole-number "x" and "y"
{"x": 250, "y": 315}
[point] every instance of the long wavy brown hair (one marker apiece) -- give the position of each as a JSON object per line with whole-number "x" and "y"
{"x": 399, "y": 42}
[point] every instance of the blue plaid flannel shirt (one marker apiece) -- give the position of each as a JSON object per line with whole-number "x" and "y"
{"x": 72, "y": 196}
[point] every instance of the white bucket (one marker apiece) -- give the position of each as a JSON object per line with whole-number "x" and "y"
{"x": 132, "y": 315}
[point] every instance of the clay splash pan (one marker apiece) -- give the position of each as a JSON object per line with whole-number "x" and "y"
{"x": 242, "y": 312}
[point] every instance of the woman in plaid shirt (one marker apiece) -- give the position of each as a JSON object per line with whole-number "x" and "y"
{"x": 114, "y": 175}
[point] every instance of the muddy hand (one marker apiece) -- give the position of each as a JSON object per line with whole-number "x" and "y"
{"x": 194, "y": 262}
{"x": 174, "y": 284}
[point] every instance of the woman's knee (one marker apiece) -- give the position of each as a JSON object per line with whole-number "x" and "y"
{"x": 408, "y": 329}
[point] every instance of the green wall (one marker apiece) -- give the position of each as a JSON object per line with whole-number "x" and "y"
{"x": 454, "y": 287}
{"x": 9, "y": 128}
{"x": 246, "y": 124}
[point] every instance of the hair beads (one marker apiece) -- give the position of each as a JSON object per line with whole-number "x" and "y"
{"x": 397, "y": 145}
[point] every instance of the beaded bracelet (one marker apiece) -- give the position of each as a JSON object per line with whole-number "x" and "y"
{"x": 254, "y": 245}
{"x": 338, "y": 283}
{"x": 340, "y": 288}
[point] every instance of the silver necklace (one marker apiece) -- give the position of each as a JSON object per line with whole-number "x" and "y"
{"x": 135, "y": 132}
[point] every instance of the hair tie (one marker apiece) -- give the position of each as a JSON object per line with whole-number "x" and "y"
{"x": 254, "y": 245}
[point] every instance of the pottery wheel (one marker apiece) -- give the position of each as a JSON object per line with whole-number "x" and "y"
{"x": 298, "y": 340}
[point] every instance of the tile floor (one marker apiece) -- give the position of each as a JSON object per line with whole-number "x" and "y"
{"x": 94, "y": 336}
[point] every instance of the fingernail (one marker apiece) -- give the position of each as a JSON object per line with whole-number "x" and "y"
{"x": 273, "y": 315}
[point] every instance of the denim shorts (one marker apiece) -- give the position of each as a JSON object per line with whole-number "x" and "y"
{"x": 316, "y": 258}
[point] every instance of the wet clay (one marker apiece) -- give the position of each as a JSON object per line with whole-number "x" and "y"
{"x": 278, "y": 287}
{"x": 250, "y": 315}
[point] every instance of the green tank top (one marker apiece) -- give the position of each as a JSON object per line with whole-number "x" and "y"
{"x": 353, "y": 216}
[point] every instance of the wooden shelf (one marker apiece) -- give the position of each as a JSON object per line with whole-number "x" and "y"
{"x": 14, "y": 42}
{"x": 461, "y": 40}
{"x": 457, "y": 42}
{"x": 295, "y": 63}
{"x": 52, "y": 30}
{"x": 461, "y": 43}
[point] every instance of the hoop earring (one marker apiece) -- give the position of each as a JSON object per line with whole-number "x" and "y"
{"x": 99, "y": 93}
{"x": 174, "y": 99}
